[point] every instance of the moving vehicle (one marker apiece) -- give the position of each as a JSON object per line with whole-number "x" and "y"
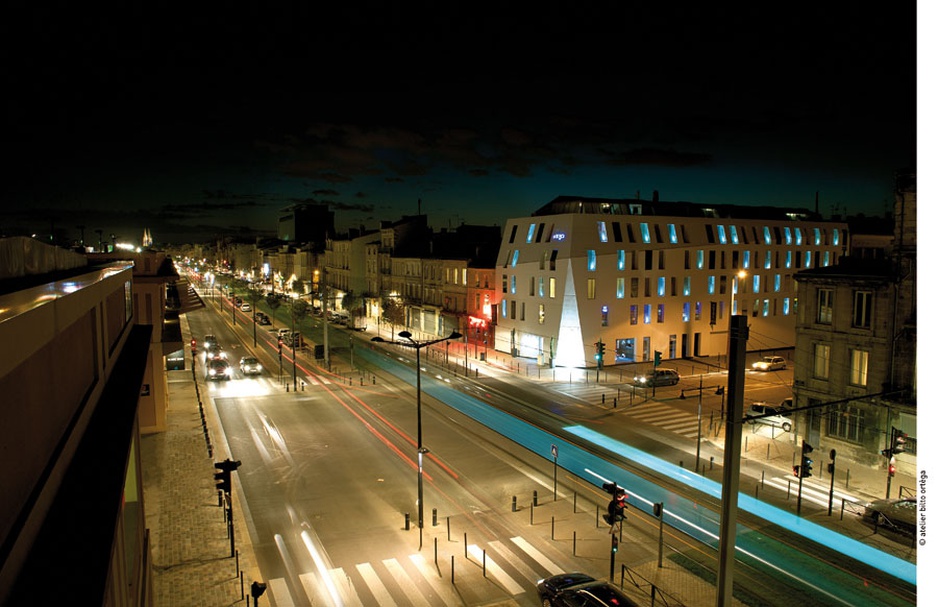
{"x": 775, "y": 415}
{"x": 209, "y": 341}
{"x": 250, "y": 366}
{"x": 658, "y": 377}
{"x": 769, "y": 363}
{"x": 245, "y": 307}
{"x": 218, "y": 369}
{"x": 580, "y": 590}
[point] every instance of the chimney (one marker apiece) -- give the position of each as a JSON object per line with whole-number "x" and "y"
{"x": 654, "y": 196}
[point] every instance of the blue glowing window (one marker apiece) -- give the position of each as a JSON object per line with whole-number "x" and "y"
{"x": 836, "y": 237}
{"x": 711, "y": 284}
{"x": 787, "y": 235}
{"x": 788, "y": 259}
{"x": 514, "y": 258}
{"x": 797, "y": 236}
{"x": 591, "y": 260}
{"x": 661, "y": 286}
{"x": 807, "y": 259}
{"x": 504, "y": 308}
{"x": 531, "y": 233}
{"x": 685, "y": 313}
{"x": 620, "y": 288}
{"x": 647, "y": 312}
{"x": 766, "y": 235}
{"x": 621, "y": 260}
{"x": 672, "y": 233}
{"x": 646, "y": 236}
{"x": 746, "y": 260}
{"x": 817, "y": 236}
{"x": 721, "y": 234}
{"x": 686, "y": 286}
{"x": 778, "y": 282}
{"x": 768, "y": 259}
{"x": 734, "y": 237}
{"x": 786, "y": 306}
{"x": 514, "y": 284}
{"x": 827, "y": 258}
{"x": 603, "y": 237}
{"x": 756, "y": 283}
{"x": 700, "y": 259}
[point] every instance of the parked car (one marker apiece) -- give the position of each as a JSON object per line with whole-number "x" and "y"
{"x": 250, "y": 366}
{"x": 580, "y": 590}
{"x": 218, "y": 369}
{"x": 658, "y": 377}
{"x": 894, "y": 514}
{"x": 769, "y": 363}
{"x": 771, "y": 415}
{"x": 284, "y": 333}
{"x": 245, "y": 307}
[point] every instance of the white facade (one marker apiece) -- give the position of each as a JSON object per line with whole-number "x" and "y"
{"x": 651, "y": 282}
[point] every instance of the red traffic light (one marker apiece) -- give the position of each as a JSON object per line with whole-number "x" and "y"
{"x": 892, "y": 469}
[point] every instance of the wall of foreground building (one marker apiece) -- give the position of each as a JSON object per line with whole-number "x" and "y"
{"x": 71, "y": 519}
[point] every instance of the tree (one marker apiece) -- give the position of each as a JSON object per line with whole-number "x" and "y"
{"x": 273, "y": 302}
{"x": 392, "y": 311}
{"x": 355, "y": 304}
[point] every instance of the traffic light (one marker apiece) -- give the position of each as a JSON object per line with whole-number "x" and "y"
{"x": 892, "y": 468}
{"x": 898, "y": 441}
{"x": 806, "y": 462}
{"x": 224, "y": 476}
{"x": 657, "y": 358}
{"x": 615, "y": 543}
{"x": 615, "y": 510}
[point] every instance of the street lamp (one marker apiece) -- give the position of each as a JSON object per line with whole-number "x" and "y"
{"x": 417, "y": 346}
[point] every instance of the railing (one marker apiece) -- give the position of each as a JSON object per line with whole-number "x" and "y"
{"x": 648, "y": 587}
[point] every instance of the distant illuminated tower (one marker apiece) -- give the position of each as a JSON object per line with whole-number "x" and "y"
{"x": 147, "y": 239}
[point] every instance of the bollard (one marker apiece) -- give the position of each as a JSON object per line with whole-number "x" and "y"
{"x": 532, "y": 513}
{"x": 711, "y": 462}
{"x": 452, "y": 569}
{"x": 535, "y": 497}
{"x": 574, "y": 502}
{"x": 465, "y": 544}
{"x": 435, "y": 550}
{"x": 615, "y": 402}
{"x": 604, "y": 398}
{"x": 407, "y": 521}
{"x": 574, "y": 543}
{"x": 681, "y": 463}
{"x": 447, "y": 529}
{"x": 514, "y": 503}
{"x": 288, "y": 387}
{"x": 551, "y": 527}
{"x": 434, "y": 517}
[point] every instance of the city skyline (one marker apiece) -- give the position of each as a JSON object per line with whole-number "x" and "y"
{"x": 187, "y": 135}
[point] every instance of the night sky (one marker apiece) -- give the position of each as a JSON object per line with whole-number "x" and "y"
{"x": 198, "y": 123}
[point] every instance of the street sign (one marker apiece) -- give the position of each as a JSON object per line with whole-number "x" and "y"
{"x": 553, "y": 451}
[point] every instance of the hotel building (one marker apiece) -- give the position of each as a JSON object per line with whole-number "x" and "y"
{"x": 643, "y": 276}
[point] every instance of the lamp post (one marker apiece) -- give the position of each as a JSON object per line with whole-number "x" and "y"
{"x": 417, "y": 346}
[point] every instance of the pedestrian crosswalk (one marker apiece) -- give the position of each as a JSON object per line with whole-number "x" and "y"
{"x": 814, "y": 492}
{"x": 510, "y": 569}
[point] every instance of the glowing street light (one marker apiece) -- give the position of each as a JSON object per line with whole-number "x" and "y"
{"x": 418, "y": 345}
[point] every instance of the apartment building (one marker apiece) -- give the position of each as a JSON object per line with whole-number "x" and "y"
{"x": 648, "y": 275}
{"x": 856, "y": 346}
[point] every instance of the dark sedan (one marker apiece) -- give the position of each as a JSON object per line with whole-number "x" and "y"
{"x": 580, "y": 590}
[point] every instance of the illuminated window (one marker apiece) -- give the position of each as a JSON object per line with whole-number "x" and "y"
{"x": 721, "y": 234}
{"x": 531, "y": 229}
{"x": 660, "y": 312}
{"x": 745, "y": 260}
{"x": 647, "y": 314}
{"x": 734, "y": 236}
{"x": 591, "y": 260}
{"x": 540, "y": 286}
{"x": 686, "y": 286}
{"x": 778, "y": 282}
{"x": 766, "y": 235}
{"x": 756, "y": 283}
{"x": 514, "y": 284}
{"x": 807, "y": 259}
{"x": 768, "y": 259}
{"x": 797, "y": 236}
{"x": 591, "y": 288}
{"x": 787, "y": 235}
{"x": 633, "y": 315}
{"x": 765, "y": 307}
{"x": 859, "y": 367}
{"x": 835, "y": 237}
{"x": 540, "y": 314}
{"x": 786, "y": 306}
{"x": 552, "y": 287}
{"x": 504, "y": 308}
{"x": 620, "y": 288}
{"x": 711, "y": 284}
{"x": 685, "y": 312}
{"x": 822, "y": 361}
{"x": 603, "y": 237}
{"x": 817, "y": 236}
{"x": 700, "y": 259}
{"x": 672, "y": 233}
{"x": 697, "y": 308}
{"x": 787, "y": 258}
{"x": 620, "y": 259}
{"x": 646, "y": 237}
{"x": 514, "y": 258}
{"x": 827, "y": 259}
{"x": 661, "y": 286}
